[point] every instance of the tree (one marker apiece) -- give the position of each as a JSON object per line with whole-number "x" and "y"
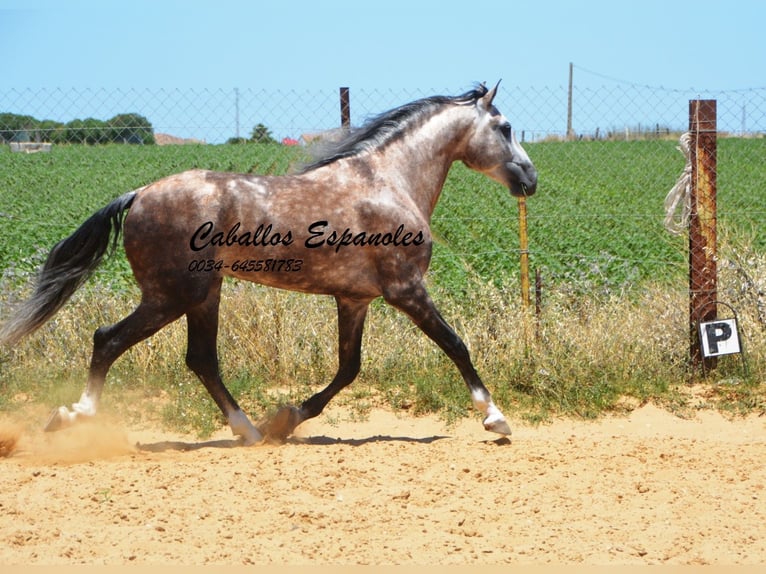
{"x": 261, "y": 134}
{"x": 87, "y": 131}
{"x": 15, "y": 127}
{"x": 130, "y": 129}
{"x": 122, "y": 128}
{"x": 50, "y": 131}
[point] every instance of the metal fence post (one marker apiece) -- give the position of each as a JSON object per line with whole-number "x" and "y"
{"x": 702, "y": 222}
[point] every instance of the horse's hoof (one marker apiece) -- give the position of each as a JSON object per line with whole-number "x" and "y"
{"x": 251, "y": 438}
{"x": 282, "y": 424}
{"x": 499, "y": 426}
{"x": 58, "y": 419}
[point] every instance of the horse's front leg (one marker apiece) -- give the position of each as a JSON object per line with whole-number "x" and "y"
{"x": 414, "y": 300}
{"x": 351, "y": 316}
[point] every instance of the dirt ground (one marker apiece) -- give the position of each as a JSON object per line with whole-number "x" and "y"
{"x": 649, "y": 488}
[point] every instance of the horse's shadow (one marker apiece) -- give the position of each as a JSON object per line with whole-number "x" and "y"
{"x": 321, "y": 440}
{"x": 183, "y": 446}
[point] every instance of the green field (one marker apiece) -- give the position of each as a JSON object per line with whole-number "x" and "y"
{"x": 595, "y": 232}
{"x": 596, "y": 220}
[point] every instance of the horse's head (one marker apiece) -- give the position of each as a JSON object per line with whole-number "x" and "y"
{"x": 493, "y": 149}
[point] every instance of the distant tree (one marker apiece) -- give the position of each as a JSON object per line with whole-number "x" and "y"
{"x": 15, "y": 127}
{"x": 122, "y": 128}
{"x": 88, "y": 131}
{"x": 49, "y": 131}
{"x": 236, "y": 141}
{"x": 261, "y": 134}
{"x": 130, "y": 129}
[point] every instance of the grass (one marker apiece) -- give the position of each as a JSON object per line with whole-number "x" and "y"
{"x": 580, "y": 358}
{"x": 612, "y": 332}
{"x": 596, "y": 220}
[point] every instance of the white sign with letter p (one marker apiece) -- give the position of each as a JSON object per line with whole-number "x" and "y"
{"x": 719, "y": 337}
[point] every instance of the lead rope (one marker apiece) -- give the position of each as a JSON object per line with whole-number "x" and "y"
{"x": 680, "y": 194}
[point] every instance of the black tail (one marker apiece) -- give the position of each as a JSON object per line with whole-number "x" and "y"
{"x": 69, "y": 264}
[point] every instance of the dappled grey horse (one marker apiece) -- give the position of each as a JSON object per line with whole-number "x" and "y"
{"x": 354, "y": 224}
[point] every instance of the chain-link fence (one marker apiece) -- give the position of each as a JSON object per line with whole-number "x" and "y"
{"x": 606, "y": 157}
{"x": 217, "y": 115}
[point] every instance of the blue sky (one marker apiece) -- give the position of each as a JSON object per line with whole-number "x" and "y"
{"x": 374, "y": 44}
{"x": 67, "y": 59}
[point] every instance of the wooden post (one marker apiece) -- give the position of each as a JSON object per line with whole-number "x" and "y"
{"x": 538, "y": 293}
{"x": 702, "y": 223}
{"x": 524, "y": 252}
{"x": 538, "y": 302}
{"x": 345, "y": 108}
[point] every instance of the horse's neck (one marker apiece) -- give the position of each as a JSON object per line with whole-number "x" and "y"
{"x": 420, "y": 161}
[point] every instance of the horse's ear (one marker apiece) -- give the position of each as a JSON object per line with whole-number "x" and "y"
{"x": 486, "y": 99}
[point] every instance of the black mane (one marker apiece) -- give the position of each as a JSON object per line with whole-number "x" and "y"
{"x": 383, "y": 128}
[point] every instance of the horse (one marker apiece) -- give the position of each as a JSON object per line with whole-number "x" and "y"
{"x": 354, "y": 223}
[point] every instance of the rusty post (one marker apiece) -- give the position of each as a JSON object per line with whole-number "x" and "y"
{"x": 345, "y": 108}
{"x": 702, "y": 223}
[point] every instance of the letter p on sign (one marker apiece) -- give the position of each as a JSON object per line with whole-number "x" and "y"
{"x": 719, "y": 337}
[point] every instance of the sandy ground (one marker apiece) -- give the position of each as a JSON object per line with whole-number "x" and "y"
{"x": 649, "y": 488}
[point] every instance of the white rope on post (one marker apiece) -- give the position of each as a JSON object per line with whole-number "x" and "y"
{"x": 680, "y": 194}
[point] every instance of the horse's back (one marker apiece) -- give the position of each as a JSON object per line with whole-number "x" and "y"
{"x": 301, "y": 233}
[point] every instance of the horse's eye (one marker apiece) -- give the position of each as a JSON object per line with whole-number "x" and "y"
{"x": 505, "y": 129}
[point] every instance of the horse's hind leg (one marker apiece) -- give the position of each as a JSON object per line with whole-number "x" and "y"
{"x": 202, "y": 358}
{"x": 415, "y": 302}
{"x": 351, "y": 316}
{"x": 108, "y": 344}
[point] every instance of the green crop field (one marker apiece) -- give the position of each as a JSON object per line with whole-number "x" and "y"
{"x": 595, "y": 233}
{"x": 597, "y": 217}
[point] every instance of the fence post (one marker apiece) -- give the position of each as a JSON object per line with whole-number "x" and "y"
{"x": 523, "y": 252}
{"x": 524, "y": 264}
{"x": 702, "y": 222}
{"x": 345, "y": 108}
{"x": 570, "y": 131}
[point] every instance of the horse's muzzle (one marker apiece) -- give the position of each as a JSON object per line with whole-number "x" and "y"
{"x": 524, "y": 182}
